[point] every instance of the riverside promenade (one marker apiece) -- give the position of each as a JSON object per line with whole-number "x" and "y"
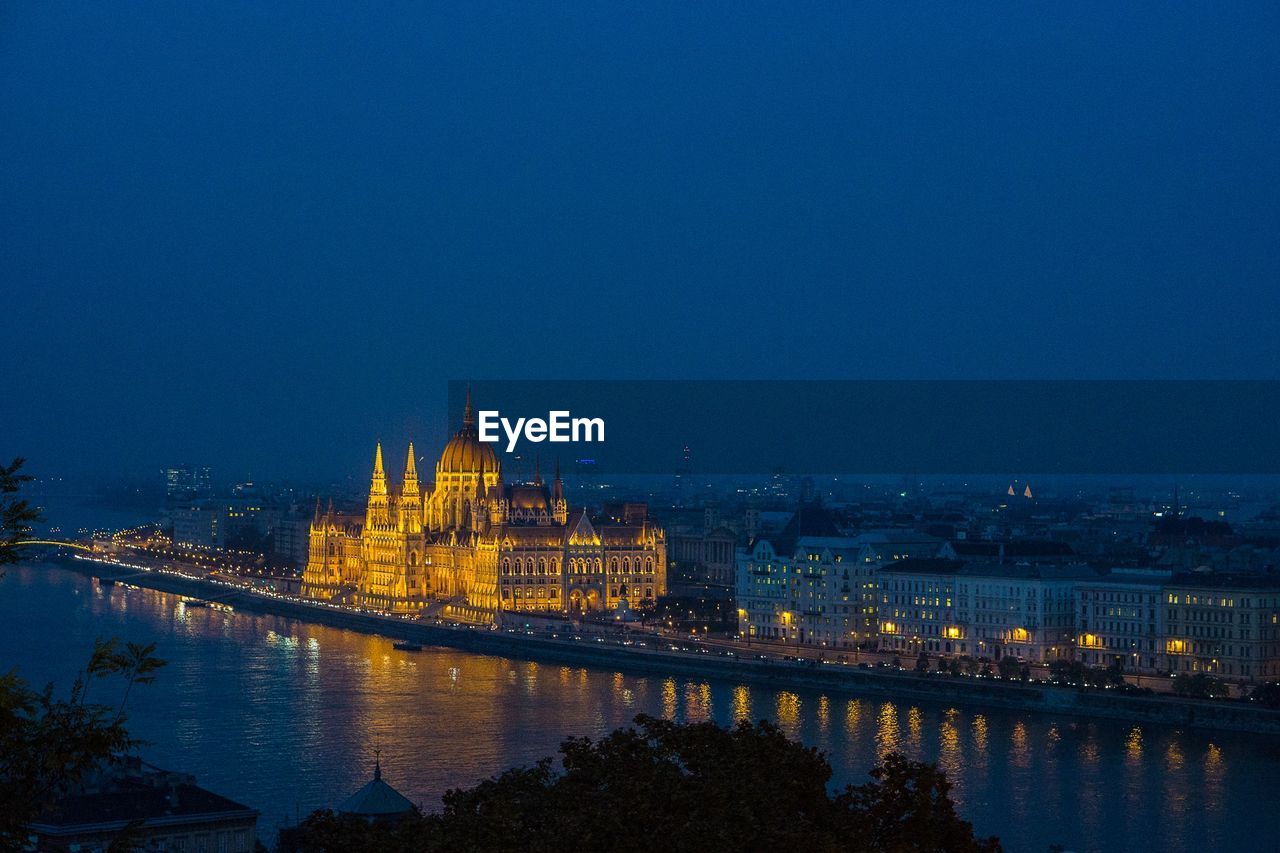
{"x": 648, "y": 654}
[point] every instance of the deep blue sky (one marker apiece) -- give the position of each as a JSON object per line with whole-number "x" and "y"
{"x": 261, "y": 234}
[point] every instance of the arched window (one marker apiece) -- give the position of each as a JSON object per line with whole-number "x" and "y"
{"x": 542, "y": 566}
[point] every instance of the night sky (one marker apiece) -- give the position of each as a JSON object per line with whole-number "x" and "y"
{"x": 261, "y": 235}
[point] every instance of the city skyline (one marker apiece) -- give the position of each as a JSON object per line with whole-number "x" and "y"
{"x": 511, "y": 426}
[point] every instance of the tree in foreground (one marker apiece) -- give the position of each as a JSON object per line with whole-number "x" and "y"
{"x": 16, "y": 515}
{"x": 48, "y": 744}
{"x": 664, "y": 785}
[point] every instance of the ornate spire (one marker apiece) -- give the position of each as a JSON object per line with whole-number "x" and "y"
{"x": 379, "y": 486}
{"x": 537, "y": 469}
{"x": 316, "y": 517}
{"x": 410, "y": 474}
{"x": 559, "y": 506}
{"x": 468, "y": 412}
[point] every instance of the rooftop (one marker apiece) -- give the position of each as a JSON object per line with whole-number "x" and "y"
{"x": 376, "y": 799}
{"x": 137, "y": 792}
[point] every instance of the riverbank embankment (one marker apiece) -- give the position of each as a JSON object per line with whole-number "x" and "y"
{"x": 656, "y": 656}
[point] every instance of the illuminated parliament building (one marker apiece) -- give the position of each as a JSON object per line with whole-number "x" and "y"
{"x": 468, "y": 545}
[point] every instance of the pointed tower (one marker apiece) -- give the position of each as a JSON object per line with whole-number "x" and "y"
{"x": 559, "y": 506}
{"x": 379, "y": 475}
{"x": 410, "y": 488}
{"x": 378, "y": 502}
{"x": 410, "y": 505}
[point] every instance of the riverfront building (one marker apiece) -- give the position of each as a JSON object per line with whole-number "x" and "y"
{"x": 1227, "y": 626}
{"x": 1118, "y": 619}
{"x": 470, "y": 545}
{"x": 983, "y": 609}
{"x": 812, "y": 585}
{"x": 812, "y": 593}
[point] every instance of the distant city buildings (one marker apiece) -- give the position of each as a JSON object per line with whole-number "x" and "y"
{"x": 702, "y": 547}
{"x": 819, "y": 581}
{"x": 187, "y": 483}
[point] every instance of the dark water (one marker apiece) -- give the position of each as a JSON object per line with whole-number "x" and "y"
{"x": 285, "y": 716}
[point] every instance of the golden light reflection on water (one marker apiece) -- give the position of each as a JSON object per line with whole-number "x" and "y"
{"x": 915, "y": 728}
{"x": 669, "y": 698}
{"x": 1021, "y": 787}
{"x": 979, "y": 735}
{"x": 622, "y": 692}
{"x": 1215, "y": 769}
{"x": 888, "y": 733}
{"x": 824, "y": 713}
{"x": 788, "y": 712}
{"x": 853, "y": 719}
{"x": 697, "y": 702}
{"x": 742, "y": 703}
{"x": 1174, "y": 786}
{"x": 1020, "y": 743}
{"x": 949, "y": 751}
{"x": 1133, "y": 747}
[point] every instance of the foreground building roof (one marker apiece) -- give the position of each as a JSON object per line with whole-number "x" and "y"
{"x": 376, "y": 799}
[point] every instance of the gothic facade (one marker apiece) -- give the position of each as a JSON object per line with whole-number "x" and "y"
{"x": 469, "y": 545}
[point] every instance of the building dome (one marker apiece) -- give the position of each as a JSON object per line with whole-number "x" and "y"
{"x": 377, "y": 801}
{"x": 466, "y": 453}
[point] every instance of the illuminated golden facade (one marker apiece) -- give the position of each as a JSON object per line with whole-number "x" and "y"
{"x": 468, "y": 546}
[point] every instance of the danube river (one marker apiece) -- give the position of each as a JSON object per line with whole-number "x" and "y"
{"x": 286, "y": 716}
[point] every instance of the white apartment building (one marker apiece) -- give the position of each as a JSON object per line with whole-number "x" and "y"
{"x": 990, "y": 610}
{"x": 814, "y": 595}
{"x": 1119, "y": 619}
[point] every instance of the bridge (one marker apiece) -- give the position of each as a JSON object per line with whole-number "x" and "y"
{"x": 56, "y": 542}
